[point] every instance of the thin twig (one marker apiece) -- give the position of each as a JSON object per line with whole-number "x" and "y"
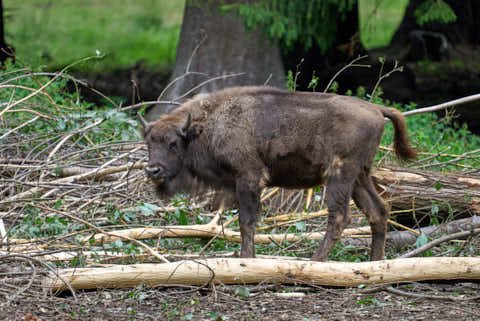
{"x": 99, "y": 230}
{"x": 440, "y": 240}
{"x": 350, "y": 64}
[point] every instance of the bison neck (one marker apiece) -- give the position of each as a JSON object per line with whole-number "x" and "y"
{"x": 208, "y": 170}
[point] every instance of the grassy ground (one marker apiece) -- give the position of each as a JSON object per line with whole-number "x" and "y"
{"x": 56, "y": 33}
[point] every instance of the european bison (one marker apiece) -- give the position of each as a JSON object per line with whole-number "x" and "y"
{"x": 246, "y": 138}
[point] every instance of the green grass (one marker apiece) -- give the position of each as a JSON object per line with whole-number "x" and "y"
{"x": 378, "y": 20}
{"x": 57, "y": 33}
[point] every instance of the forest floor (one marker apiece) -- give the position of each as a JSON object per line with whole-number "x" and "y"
{"x": 220, "y": 303}
{"x": 66, "y": 167}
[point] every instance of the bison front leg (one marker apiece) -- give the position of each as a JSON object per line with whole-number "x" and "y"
{"x": 249, "y": 199}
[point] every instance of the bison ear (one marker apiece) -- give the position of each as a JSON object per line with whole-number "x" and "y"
{"x": 192, "y": 133}
{"x": 143, "y": 122}
{"x": 189, "y": 132}
{"x": 187, "y": 124}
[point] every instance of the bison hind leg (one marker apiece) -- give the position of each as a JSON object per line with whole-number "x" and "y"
{"x": 339, "y": 193}
{"x": 366, "y": 198}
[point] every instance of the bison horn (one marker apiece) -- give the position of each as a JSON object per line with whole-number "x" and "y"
{"x": 187, "y": 124}
{"x": 142, "y": 121}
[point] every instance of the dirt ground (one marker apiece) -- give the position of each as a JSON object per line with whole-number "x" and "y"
{"x": 461, "y": 301}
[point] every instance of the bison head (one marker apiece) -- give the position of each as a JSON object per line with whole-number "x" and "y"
{"x": 167, "y": 140}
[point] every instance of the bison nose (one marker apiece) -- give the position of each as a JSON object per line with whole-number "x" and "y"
{"x": 153, "y": 171}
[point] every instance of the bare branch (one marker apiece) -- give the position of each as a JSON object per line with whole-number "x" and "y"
{"x": 441, "y": 106}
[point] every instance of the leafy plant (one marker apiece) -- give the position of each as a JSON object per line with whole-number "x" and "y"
{"x": 292, "y": 22}
{"x": 61, "y": 111}
{"x": 434, "y": 10}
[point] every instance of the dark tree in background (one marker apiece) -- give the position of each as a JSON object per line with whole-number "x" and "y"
{"x": 436, "y": 43}
{"x": 420, "y": 38}
{"x": 441, "y": 48}
{"x": 6, "y": 51}
{"x": 214, "y": 44}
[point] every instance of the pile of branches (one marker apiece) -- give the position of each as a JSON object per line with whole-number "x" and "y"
{"x": 67, "y": 180}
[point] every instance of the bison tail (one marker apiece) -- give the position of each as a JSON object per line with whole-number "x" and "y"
{"x": 401, "y": 146}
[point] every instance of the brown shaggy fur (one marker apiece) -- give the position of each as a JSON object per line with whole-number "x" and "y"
{"x": 245, "y": 138}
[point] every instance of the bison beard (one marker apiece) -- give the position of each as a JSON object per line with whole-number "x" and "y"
{"x": 245, "y": 138}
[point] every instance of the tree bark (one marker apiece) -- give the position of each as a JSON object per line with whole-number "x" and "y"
{"x": 243, "y": 271}
{"x": 216, "y": 44}
{"x": 6, "y": 51}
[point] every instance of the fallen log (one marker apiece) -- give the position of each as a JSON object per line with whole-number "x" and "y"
{"x": 243, "y": 271}
{"x": 419, "y": 190}
{"x": 211, "y": 229}
{"x": 400, "y": 239}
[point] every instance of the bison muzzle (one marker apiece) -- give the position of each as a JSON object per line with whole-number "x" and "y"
{"x": 246, "y": 138}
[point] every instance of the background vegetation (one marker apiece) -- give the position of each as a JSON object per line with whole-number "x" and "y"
{"x": 56, "y": 33}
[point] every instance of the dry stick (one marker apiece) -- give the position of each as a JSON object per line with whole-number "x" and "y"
{"x": 351, "y": 64}
{"x": 441, "y": 106}
{"x": 68, "y": 285}
{"x": 9, "y": 102}
{"x": 309, "y": 198}
{"x": 44, "y": 86}
{"x": 26, "y": 287}
{"x": 14, "y": 72}
{"x": 20, "y": 126}
{"x": 90, "y": 174}
{"x": 463, "y": 156}
{"x": 215, "y": 219}
{"x": 429, "y": 296}
{"x": 209, "y": 230}
{"x": 426, "y": 153}
{"x": 270, "y": 194}
{"x": 194, "y": 52}
{"x": 81, "y": 82}
{"x": 208, "y": 81}
{"x": 187, "y": 69}
{"x": 440, "y": 240}
{"x": 27, "y": 89}
{"x": 146, "y": 103}
{"x": 67, "y": 137}
{"x": 26, "y": 110}
{"x": 28, "y": 96}
{"x": 99, "y": 230}
{"x": 381, "y": 77}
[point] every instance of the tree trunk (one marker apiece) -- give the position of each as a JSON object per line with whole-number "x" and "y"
{"x": 345, "y": 47}
{"x": 217, "y": 44}
{"x": 6, "y": 51}
{"x": 244, "y": 271}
